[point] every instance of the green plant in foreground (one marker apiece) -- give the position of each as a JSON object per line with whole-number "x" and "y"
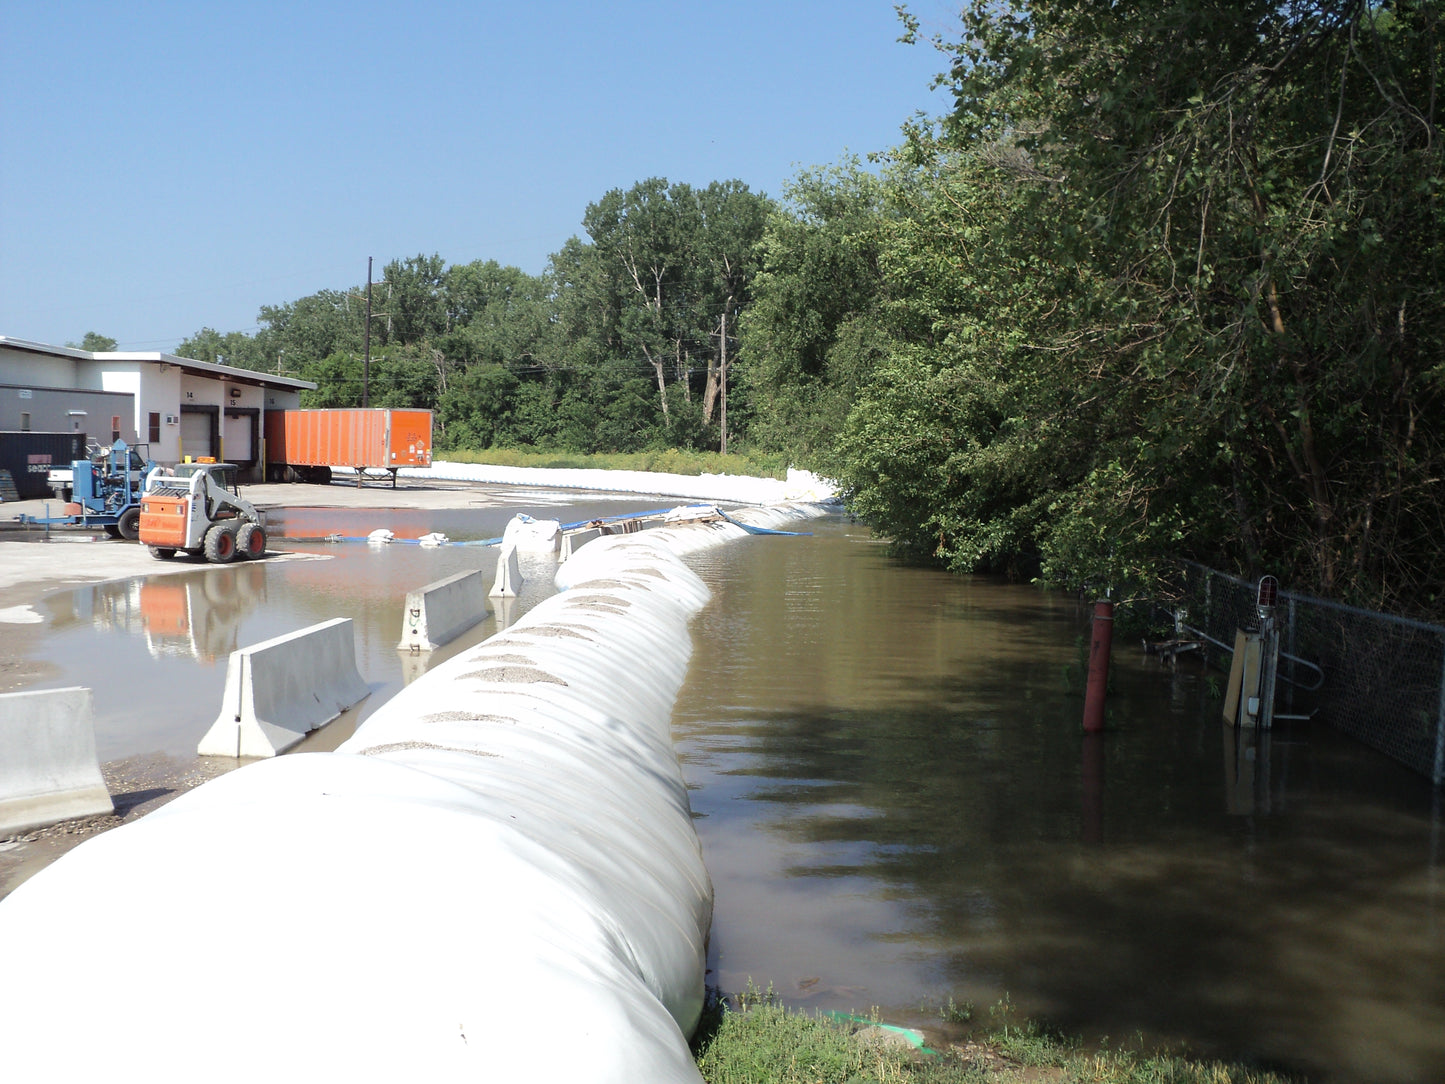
{"x": 954, "y": 1013}
{"x": 759, "y": 1041}
{"x": 770, "y": 1043}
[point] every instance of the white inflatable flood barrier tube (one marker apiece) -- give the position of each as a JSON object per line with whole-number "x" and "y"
{"x": 281, "y": 689}
{"x": 440, "y": 612}
{"x": 49, "y": 771}
{"x": 495, "y": 878}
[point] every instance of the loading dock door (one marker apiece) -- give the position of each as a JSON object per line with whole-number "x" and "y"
{"x": 236, "y": 439}
{"x": 197, "y": 428}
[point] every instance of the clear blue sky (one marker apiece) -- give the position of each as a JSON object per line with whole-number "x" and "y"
{"x": 170, "y": 166}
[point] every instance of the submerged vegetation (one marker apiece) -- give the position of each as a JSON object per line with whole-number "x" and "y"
{"x": 759, "y": 1041}
{"x": 1165, "y": 281}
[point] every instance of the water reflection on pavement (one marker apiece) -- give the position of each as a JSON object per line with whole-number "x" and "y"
{"x": 154, "y": 649}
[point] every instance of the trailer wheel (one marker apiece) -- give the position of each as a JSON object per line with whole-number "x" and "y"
{"x": 251, "y": 541}
{"x": 129, "y": 524}
{"x": 162, "y": 553}
{"x": 220, "y": 547}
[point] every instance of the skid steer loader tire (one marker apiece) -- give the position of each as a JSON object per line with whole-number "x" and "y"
{"x": 251, "y": 541}
{"x": 220, "y": 545}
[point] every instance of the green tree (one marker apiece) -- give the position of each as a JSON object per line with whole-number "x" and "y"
{"x": 94, "y": 342}
{"x": 644, "y": 238}
{"x": 233, "y": 348}
{"x": 816, "y": 300}
{"x": 414, "y": 300}
{"x": 726, "y": 258}
{"x": 1180, "y": 267}
{"x": 312, "y": 328}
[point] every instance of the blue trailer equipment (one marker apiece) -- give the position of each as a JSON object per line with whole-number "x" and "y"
{"x": 105, "y": 491}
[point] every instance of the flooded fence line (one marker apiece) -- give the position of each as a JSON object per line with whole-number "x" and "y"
{"x": 1384, "y": 676}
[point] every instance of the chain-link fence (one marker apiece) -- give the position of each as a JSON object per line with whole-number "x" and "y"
{"x": 1384, "y": 676}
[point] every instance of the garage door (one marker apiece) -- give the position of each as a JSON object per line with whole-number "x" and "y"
{"x": 236, "y": 439}
{"x": 196, "y": 434}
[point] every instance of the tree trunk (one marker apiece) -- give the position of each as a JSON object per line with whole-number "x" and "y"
{"x": 716, "y": 374}
{"x": 659, "y": 367}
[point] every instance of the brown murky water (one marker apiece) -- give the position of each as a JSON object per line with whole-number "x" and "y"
{"x": 898, "y": 805}
{"x": 896, "y": 802}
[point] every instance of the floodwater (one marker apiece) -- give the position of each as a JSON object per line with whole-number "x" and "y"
{"x": 896, "y": 802}
{"x": 897, "y": 806}
{"x": 155, "y": 649}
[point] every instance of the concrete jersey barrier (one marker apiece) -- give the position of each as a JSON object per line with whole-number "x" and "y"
{"x": 279, "y": 690}
{"x": 442, "y": 611}
{"x": 49, "y": 771}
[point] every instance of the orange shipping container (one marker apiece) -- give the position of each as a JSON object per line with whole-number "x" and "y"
{"x": 370, "y": 439}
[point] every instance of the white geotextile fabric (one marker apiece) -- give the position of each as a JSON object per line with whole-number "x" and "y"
{"x": 800, "y": 485}
{"x": 528, "y": 535}
{"x": 496, "y": 878}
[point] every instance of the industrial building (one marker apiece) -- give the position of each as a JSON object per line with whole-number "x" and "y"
{"x": 181, "y": 408}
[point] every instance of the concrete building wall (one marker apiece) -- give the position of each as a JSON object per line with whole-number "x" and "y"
{"x": 157, "y": 415}
{"x": 67, "y": 410}
{"x": 178, "y": 406}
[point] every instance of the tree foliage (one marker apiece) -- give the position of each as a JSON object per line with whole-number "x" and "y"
{"x": 94, "y": 342}
{"x": 617, "y": 347}
{"x": 1166, "y": 281}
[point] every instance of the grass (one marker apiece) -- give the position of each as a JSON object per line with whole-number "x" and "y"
{"x": 750, "y": 1038}
{"x": 665, "y": 460}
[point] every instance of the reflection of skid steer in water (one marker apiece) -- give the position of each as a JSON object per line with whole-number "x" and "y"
{"x": 197, "y": 509}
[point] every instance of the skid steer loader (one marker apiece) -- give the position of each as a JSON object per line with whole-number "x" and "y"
{"x": 196, "y": 508}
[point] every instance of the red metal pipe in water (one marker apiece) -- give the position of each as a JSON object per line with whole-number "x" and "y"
{"x": 1093, "y": 776}
{"x": 1103, "y": 636}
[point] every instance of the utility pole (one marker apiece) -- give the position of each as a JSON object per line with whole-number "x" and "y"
{"x": 723, "y": 375}
{"x": 366, "y": 336}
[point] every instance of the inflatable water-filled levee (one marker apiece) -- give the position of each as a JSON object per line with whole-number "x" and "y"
{"x": 495, "y": 878}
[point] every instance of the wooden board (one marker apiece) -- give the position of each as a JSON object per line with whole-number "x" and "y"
{"x": 1236, "y": 679}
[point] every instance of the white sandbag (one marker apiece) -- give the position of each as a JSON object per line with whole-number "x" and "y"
{"x": 505, "y": 845}
{"x": 325, "y": 917}
{"x": 533, "y": 535}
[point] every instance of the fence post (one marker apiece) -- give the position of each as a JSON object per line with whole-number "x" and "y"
{"x": 1293, "y": 676}
{"x": 1439, "y": 775}
{"x": 1100, "y": 640}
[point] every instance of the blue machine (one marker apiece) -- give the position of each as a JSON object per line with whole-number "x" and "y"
{"x": 105, "y": 491}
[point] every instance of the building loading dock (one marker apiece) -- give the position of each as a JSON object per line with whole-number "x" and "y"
{"x": 180, "y": 407}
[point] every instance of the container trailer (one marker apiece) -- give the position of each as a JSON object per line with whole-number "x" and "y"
{"x": 305, "y": 445}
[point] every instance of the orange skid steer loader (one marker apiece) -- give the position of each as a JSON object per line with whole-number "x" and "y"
{"x": 197, "y": 509}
